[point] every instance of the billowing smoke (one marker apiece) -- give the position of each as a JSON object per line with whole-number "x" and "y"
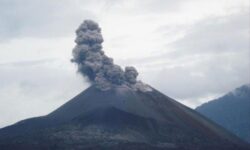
{"x": 93, "y": 63}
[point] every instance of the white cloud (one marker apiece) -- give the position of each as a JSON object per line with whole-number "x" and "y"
{"x": 209, "y": 60}
{"x": 34, "y": 88}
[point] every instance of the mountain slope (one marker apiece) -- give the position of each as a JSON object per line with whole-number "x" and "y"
{"x": 231, "y": 111}
{"x": 119, "y": 118}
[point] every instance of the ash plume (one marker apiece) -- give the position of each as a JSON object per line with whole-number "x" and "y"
{"x": 96, "y": 66}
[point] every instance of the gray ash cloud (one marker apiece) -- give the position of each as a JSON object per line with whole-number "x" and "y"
{"x": 95, "y": 65}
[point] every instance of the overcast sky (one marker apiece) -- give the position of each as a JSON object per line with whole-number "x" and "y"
{"x": 191, "y": 50}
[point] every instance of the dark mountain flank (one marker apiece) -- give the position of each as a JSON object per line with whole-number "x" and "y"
{"x": 231, "y": 111}
{"x": 120, "y": 118}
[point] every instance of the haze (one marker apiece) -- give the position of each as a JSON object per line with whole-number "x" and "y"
{"x": 192, "y": 51}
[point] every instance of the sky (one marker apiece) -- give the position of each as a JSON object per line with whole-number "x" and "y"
{"x": 190, "y": 50}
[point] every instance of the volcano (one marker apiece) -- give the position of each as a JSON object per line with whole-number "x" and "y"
{"x": 117, "y": 112}
{"x": 120, "y": 118}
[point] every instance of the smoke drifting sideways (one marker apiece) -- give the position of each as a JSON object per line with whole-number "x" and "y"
{"x": 96, "y": 66}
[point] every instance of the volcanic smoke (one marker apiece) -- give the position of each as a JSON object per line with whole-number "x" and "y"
{"x": 96, "y": 66}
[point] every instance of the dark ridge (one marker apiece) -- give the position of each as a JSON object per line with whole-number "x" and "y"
{"x": 232, "y": 111}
